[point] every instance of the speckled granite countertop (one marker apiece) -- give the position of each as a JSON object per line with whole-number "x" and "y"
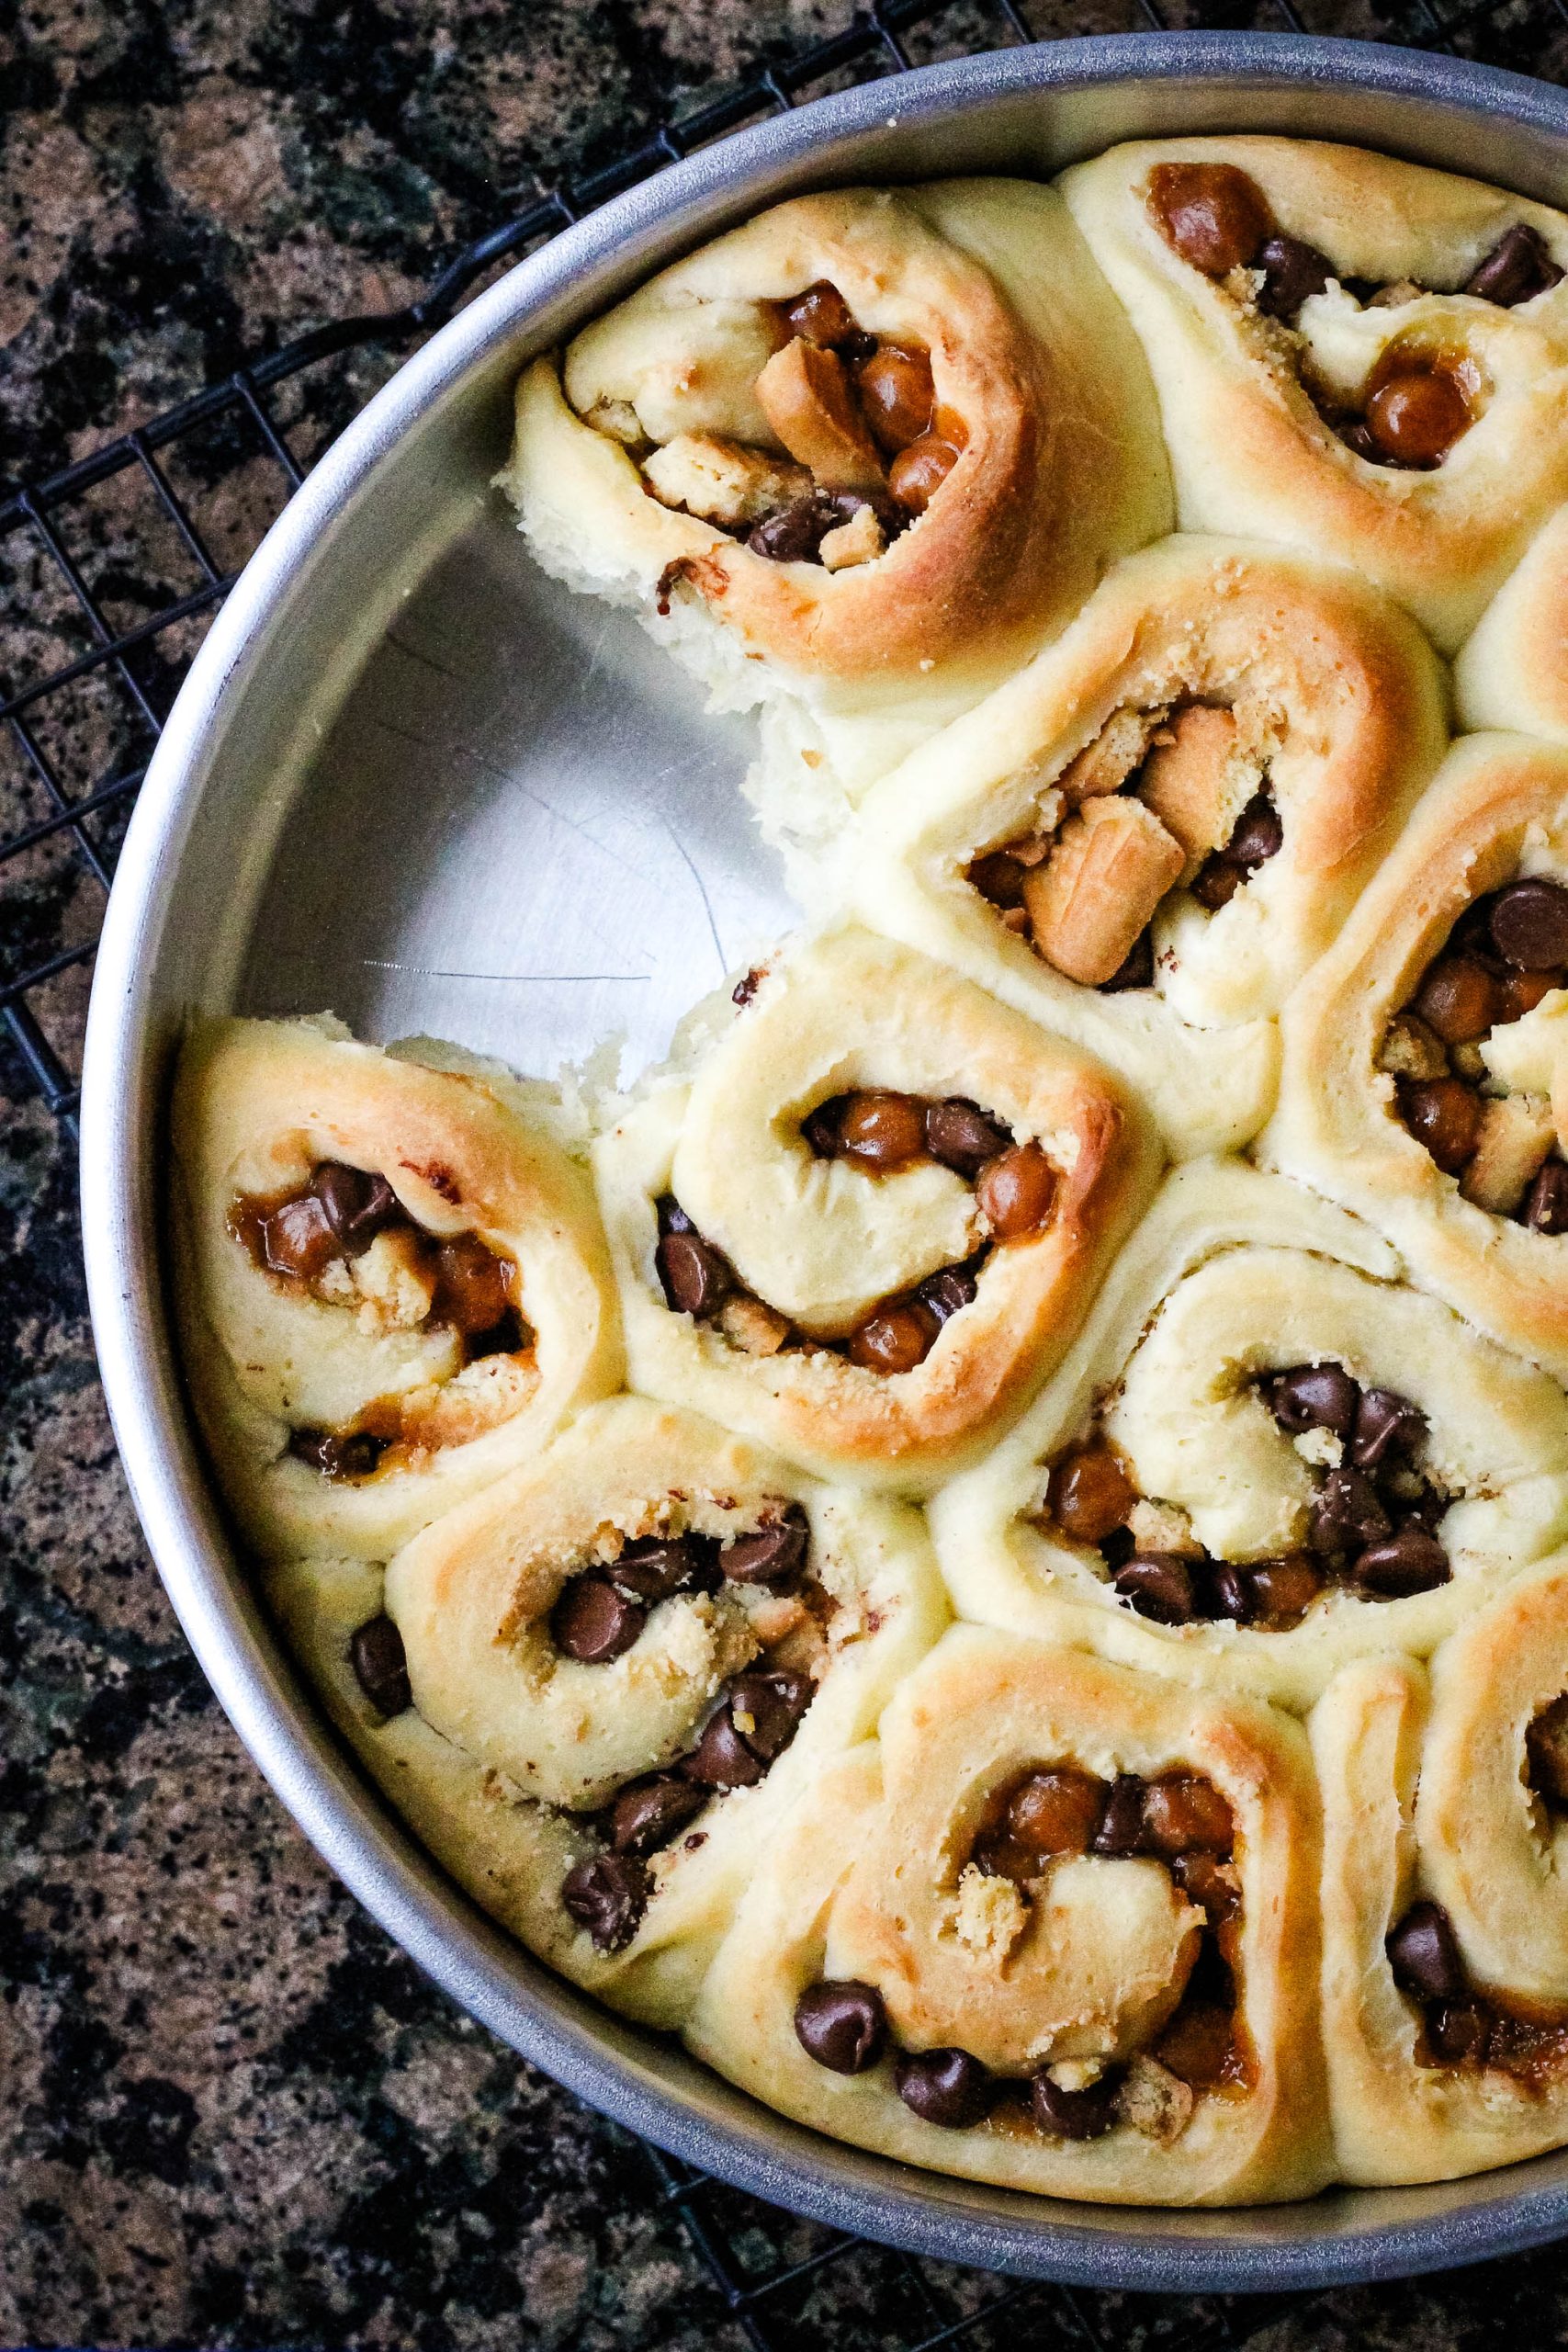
{"x": 231, "y": 2112}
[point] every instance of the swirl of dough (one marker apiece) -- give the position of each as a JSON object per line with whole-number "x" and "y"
{"x": 1148, "y": 836}
{"x": 1445, "y": 1896}
{"x": 885, "y": 1201}
{"x": 1071, "y": 1908}
{"x": 1345, "y": 360}
{"x": 1191, "y": 1494}
{"x": 1012, "y": 452}
{"x": 607, "y": 1798}
{"x": 392, "y": 1283}
{"x": 1369, "y": 1091}
{"x": 1511, "y": 671}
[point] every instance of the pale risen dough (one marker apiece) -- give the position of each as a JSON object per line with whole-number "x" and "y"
{"x": 1063, "y": 471}
{"x": 823, "y": 1240}
{"x": 1498, "y": 810}
{"x": 1513, "y": 672}
{"x": 257, "y": 1105}
{"x": 865, "y": 1884}
{"x": 1231, "y": 1275}
{"x": 1425, "y": 1797}
{"x": 1248, "y": 449}
{"x": 1342, "y": 704}
{"x": 508, "y": 1741}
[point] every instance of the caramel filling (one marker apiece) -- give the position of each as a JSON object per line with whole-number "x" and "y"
{"x": 345, "y": 1239}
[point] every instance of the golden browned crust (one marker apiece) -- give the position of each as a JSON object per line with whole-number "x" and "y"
{"x": 1498, "y": 799}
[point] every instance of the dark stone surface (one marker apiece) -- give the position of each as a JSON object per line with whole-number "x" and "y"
{"x": 231, "y": 2113}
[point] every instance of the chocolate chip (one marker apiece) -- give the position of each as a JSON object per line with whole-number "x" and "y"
{"x": 1460, "y": 1000}
{"x": 820, "y": 1127}
{"x": 745, "y": 989}
{"x": 1517, "y": 267}
{"x": 1386, "y": 1423}
{"x": 338, "y": 1453}
{"x": 796, "y": 532}
{"x": 1216, "y": 884}
{"x": 1216, "y": 216}
{"x": 648, "y": 1813}
{"x": 358, "y": 1205}
{"x": 767, "y": 1709}
{"x": 1017, "y": 1191}
{"x": 1136, "y": 969}
{"x": 1160, "y": 1586}
{"x": 1546, "y": 1210}
{"x": 1444, "y": 1115}
{"x": 1424, "y": 1956}
{"x": 1546, "y": 1750}
{"x": 1292, "y": 272}
{"x": 1225, "y": 1591}
{"x": 843, "y": 2024}
{"x": 1122, "y": 1830}
{"x": 1074, "y": 2115}
{"x": 1529, "y": 924}
{"x": 1089, "y": 1493}
{"x": 607, "y": 1894}
{"x": 696, "y": 1277}
{"x": 721, "y": 1760}
{"x": 381, "y": 1666}
{"x": 960, "y": 1135}
{"x": 297, "y": 1239}
{"x": 1056, "y": 1812}
{"x": 881, "y": 1130}
{"x": 1183, "y": 1814}
{"x": 1409, "y": 1562}
{"x": 947, "y": 1292}
{"x": 1196, "y": 2045}
{"x": 654, "y": 1567}
{"x": 1346, "y": 1513}
{"x": 772, "y": 1553}
{"x": 1459, "y": 2031}
{"x": 896, "y": 1339}
{"x": 945, "y": 2086}
{"x": 1313, "y": 1397}
{"x": 1258, "y": 834}
{"x": 592, "y": 1623}
{"x": 672, "y": 1217}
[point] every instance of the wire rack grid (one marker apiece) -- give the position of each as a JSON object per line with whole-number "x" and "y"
{"x": 107, "y": 638}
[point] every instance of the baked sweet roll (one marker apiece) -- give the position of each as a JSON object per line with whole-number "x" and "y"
{"x": 852, "y": 461}
{"x": 872, "y": 1221}
{"x": 1264, "y": 1455}
{"x": 1513, "y": 671}
{"x": 1145, "y": 837}
{"x": 1055, "y": 1929}
{"x": 1424, "y": 1070}
{"x": 1444, "y": 1905}
{"x": 1353, "y": 354}
{"x": 595, "y": 1688}
{"x": 392, "y": 1283}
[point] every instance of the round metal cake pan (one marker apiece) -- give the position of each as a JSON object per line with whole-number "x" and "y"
{"x": 410, "y": 780}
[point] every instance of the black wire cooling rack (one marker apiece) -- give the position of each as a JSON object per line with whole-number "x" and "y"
{"x": 115, "y": 564}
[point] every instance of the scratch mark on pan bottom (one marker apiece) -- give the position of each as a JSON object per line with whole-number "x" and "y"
{"x": 435, "y": 972}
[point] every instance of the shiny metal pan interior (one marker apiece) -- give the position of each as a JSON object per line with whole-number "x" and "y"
{"x": 411, "y": 780}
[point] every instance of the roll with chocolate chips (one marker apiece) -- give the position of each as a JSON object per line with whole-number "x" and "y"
{"x": 1444, "y": 1909}
{"x": 391, "y": 1280}
{"x": 1426, "y": 1059}
{"x": 596, "y": 1689}
{"x": 867, "y": 1227}
{"x": 1147, "y": 837}
{"x": 1055, "y": 1929}
{"x": 1264, "y": 1455}
{"x": 1356, "y": 356}
{"x": 852, "y": 462}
